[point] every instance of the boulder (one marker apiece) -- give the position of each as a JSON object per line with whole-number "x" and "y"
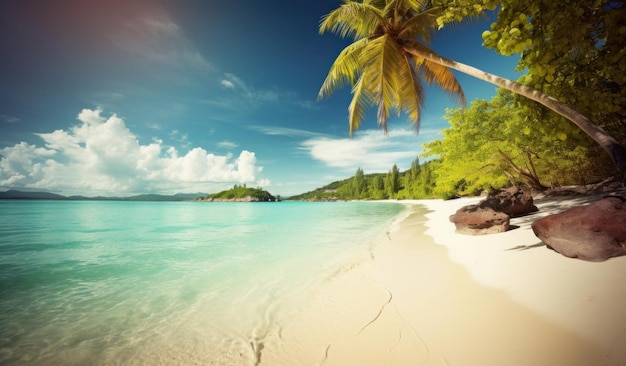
{"x": 513, "y": 201}
{"x": 595, "y": 232}
{"x": 477, "y": 220}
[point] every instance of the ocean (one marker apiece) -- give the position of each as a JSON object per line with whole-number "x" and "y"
{"x": 110, "y": 282}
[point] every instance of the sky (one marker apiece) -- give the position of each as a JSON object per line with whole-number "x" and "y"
{"x": 123, "y": 97}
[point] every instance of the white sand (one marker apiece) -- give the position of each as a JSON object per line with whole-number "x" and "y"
{"x": 586, "y": 298}
{"x": 450, "y": 299}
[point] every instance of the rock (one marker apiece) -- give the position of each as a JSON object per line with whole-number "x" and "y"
{"x": 595, "y": 232}
{"x": 476, "y": 220}
{"x": 513, "y": 201}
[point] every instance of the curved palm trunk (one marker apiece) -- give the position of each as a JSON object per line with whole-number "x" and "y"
{"x": 616, "y": 151}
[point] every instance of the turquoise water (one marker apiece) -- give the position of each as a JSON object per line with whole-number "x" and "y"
{"x": 104, "y": 282}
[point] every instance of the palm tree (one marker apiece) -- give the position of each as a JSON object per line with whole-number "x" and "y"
{"x": 389, "y": 60}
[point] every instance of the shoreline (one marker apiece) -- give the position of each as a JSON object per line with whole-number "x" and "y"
{"x": 429, "y": 296}
{"x": 586, "y": 298}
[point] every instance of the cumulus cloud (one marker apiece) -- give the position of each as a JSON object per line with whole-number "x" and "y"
{"x": 102, "y": 155}
{"x": 371, "y": 150}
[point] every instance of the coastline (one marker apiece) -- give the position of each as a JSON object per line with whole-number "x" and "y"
{"x": 583, "y": 297}
{"x": 429, "y": 296}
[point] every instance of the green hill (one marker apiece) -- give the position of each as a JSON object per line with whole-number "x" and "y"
{"x": 416, "y": 182}
{"x": 336, "y": 191}
{"x": 242, "y": 194}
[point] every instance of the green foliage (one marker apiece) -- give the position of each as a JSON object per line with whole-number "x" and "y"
{"x": 573, "y": 50}
{"x": 385, "y": 65}
{"x": 576, "y": 52}
{"x": 492, "y": 144}
{"x": 239, "y": 192}
{"x": 392, "y": 181}
{"x": 495, "y": 143}
{"x": 414, "y": 183}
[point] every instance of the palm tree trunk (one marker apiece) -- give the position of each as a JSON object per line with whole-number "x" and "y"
{"x": 616, "y": 151}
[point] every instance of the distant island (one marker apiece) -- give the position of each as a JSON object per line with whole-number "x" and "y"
{"x": 19, "y": 195}
{"x": 241, "y": 194}
{"x": 235, "y": 194}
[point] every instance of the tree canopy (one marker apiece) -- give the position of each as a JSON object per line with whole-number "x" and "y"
{"x": 383, "y": 65}
{"x": 389, "y": 58}
{"x": 494, "y": 143}
{"x": 573, "y": 50}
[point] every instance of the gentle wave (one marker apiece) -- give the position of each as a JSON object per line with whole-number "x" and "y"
{"x": 147, "y": 282}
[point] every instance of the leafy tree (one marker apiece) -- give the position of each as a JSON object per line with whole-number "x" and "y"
{"x": 574, "y": 50}
{"x": 378, "y": 188}
{"x": 392, "y": 182}
{"x": 389, "y": 59}
{"x": 490, "y": 145}
{"x": 359, "y": 185}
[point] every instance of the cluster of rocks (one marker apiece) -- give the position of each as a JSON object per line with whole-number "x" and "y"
{"x": 494, "y": 213}
{"x": 594, "y": 232}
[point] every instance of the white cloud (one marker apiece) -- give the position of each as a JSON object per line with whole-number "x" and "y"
{"x": 264, "y": 183}
{"x": 255, "y": 97}
{"x": 231, "y": 81}
{"x": 101, "y": 155}
{"x": 285, "y": 131}
{"x": 227, "y": 145}
{"x": 370, "y": 149}
{"x": 227, "y": 84}
{"x": 181, "y": 138}
{"x": 9, "y": 119}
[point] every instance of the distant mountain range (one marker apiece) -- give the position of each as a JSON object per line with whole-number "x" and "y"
{"x": 19, "y": 195}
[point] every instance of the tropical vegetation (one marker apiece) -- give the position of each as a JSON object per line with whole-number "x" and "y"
{"x": 239, "y": 192}
{"x": 389, "y": 60}
{"x": 416, "y": 182}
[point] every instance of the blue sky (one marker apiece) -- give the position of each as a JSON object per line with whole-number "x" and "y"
{"x": 124, "y": 97}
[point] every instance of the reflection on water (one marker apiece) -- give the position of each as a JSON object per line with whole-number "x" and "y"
{"x": 144, "y": 282}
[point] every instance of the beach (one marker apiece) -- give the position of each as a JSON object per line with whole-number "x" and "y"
{"x": 430, "y": 296}
{"x": 344, "y": 283}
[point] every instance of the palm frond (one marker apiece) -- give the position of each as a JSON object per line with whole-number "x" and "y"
{"x": 388, "y": 62}
{"x": 378, "y": 4}
{"x": 381, "y": 75}
{"x": 421, "y": 25}
{"x": 352, "y": 19}
{"x": 435, "y": 72}
{"x": 411, "y": 93}
{"x": 444, "y": 78}
{"x": 361, "y": 102}
{"x": 345, "y": 70}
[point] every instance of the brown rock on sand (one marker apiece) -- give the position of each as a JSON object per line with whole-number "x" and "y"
{"x": 595, "y": 232}
{"x": 513, "y": 201}
{"x": 476, "y": 220}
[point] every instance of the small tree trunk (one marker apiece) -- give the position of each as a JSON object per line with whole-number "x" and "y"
{"x": 616, "y": 151}
{"x": 531, "y": 177}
